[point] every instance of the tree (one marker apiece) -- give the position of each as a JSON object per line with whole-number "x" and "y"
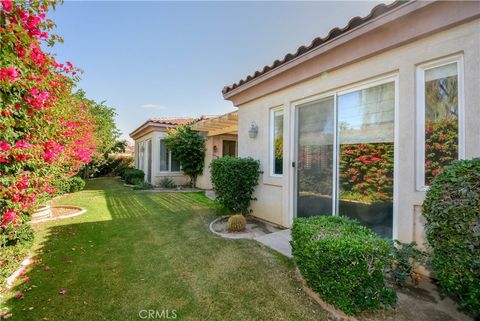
{"x": 106, "y": 132}
{"x": 188, "y": 147}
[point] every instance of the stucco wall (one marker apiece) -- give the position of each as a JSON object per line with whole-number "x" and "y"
{"x": 204, "y": 181}
{"x": 157, "y": 175}
{"x": 275, "y": 194}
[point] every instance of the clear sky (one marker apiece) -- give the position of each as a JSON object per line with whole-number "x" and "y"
{"x": 163, "y": 59}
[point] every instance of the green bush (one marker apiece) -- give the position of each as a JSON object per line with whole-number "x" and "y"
{"x": 167, "y": 182}
{"x": 61, "y": 185}
{"x": 122, "y": 172}
{"x": 76, "y": 184}
{"x": 452, "y": 213}
{"x": 343, "y": 261}
{"x": 14, "y": 247}
{"x": 23, "y": 235}
{"x": 142, "y": 185}
{"x": 133, "y": 174}
{"x": 234, "y": 181}
{"x": 406, "y": 258}
{"x": 11, "y": 258}
{"x": 69, "y": 185}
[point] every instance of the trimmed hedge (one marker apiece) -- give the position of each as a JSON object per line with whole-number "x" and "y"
{"x": 133, "y": 176}
{"x": 69, "y": 185}
{"x": 452, "y": 213}
{"x": 343, "y": 261}
{"x": 234, "y": 181}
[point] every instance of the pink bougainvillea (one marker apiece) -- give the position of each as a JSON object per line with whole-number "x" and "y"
{"x": 46, "y": 133}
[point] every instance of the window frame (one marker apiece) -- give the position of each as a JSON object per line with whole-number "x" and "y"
{"x": 169, "y": 159}
{"x": 272, "y": 140}
{"x": 421, "y": 69}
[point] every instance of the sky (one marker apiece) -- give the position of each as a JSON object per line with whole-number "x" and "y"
{"x": 165, "y": 59}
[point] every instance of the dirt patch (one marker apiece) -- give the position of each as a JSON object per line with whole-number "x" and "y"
{"x": 58, "y": 211}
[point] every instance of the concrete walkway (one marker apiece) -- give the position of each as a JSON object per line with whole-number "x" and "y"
{"x": 279, "y": 241}
{"x": 210, "y": 194}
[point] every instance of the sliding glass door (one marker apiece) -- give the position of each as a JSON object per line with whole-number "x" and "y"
{"x": 316, "y": 130}
{"x": 345, "y": 156}
{"x": 366, "y": 120}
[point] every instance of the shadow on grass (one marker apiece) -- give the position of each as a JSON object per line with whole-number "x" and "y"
{"x": 110, "y": 264}
{"x": 148, "y": 250}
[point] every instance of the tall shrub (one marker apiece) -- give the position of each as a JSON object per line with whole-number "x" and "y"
{"x": 188, "y": 147}
{"x": 452, "y": 213}
{"x": 234, "y": 181}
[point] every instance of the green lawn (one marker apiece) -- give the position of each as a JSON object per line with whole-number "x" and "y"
{"x": 140, "y": 250}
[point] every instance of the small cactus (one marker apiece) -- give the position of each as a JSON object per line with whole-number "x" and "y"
{"x": 236, "y": 223}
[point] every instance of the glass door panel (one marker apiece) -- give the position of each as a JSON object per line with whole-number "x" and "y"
{"x": 366, "y": 121}
{"x": 315, "y": 142}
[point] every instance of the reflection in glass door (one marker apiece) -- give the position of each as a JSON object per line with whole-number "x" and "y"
{"x": 315, "y": 141}
{"x": 345, "y": 157}
{"x": 366, "y": 147}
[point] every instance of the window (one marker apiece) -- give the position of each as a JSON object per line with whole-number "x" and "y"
{"x": 228, "y": 148}
{"x": 439, "y": 105}
{"x": 276, "y": 148}
{"x": 167, "y": 162}
{"x": 137, "y": 154}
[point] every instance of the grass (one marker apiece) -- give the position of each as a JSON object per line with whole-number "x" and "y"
{"x": 141, "y": 250}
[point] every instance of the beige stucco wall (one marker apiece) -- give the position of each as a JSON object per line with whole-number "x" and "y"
{"x": 204, "y": 181}
{"x": 275, "y": 195}
{"x": 157, "y": 175}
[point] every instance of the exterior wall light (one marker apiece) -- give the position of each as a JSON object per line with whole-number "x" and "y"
{"x": 253, "y": 131}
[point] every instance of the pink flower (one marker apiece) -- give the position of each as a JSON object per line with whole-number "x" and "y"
{"x": 19, "y": 295}
{"x": 7, "y": 5}
{"x": 62, "y": 292}
{"x": 37, "y": 55}
{"x": 51, "y": 150}
{"x": 26, "y": 279}
{"x": 7, "y": 217}
{"x": 9, "y": 74}
{"x": 22, "y": 144}
{"x": 46, "y": 268}
{"x": 4, "y": 146}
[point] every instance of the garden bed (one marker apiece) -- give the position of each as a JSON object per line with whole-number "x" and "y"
{"x": 254, "y": 228}
{"x": 60, "y": 212}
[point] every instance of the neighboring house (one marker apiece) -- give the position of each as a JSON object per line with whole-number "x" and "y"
{"x": 220, "y": 140}
{"x": 152, "y": 155}
{"x": 359, "y": 122}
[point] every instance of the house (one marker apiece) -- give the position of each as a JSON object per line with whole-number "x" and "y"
{"x": 220, "y": 140}
{"x": 360, "y": 121}
{"x": 152, "y": 155}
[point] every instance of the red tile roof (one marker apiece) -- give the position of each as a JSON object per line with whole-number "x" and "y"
{"x": 171, "y": 120}
{"x": 334, "y": 33}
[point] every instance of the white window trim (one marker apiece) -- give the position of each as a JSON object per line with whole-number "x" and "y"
{"x": 420, "y": 102}
{"x": 271, "y": 152}
{"x": 169, "y": 160}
